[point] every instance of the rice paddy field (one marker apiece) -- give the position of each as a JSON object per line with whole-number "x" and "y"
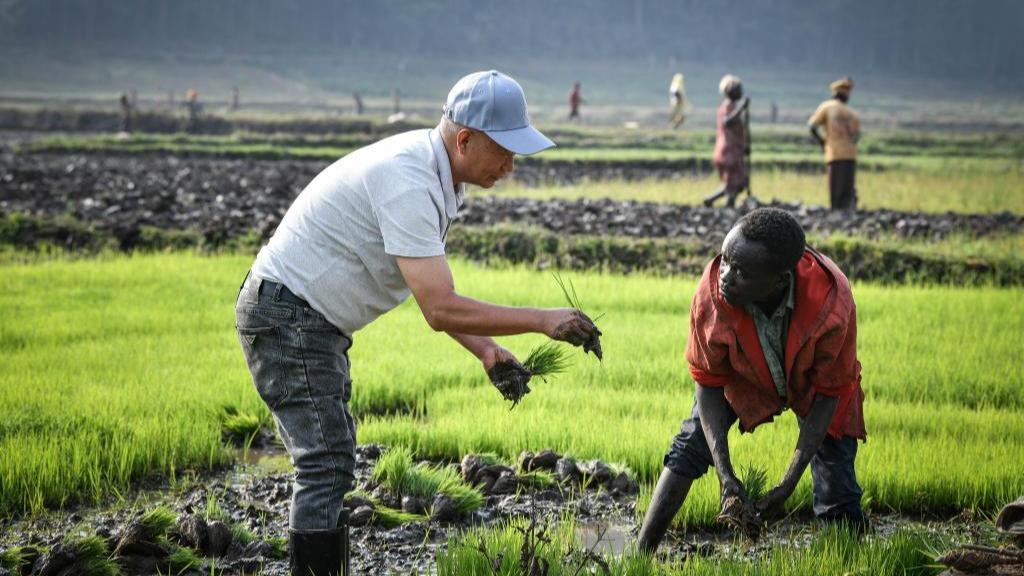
{"x": 121, "y": 369}
{"x": 115, "y": 369}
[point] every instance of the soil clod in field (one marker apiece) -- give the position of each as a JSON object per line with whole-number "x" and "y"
{"x": 740, "y": 515}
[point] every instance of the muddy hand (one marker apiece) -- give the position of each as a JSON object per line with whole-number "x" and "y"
{"x": 510, "y": 378}
{"x": 741, "y": 515}
{"x": 737, "y": 511}
{"x": 772, "y": 506}
{"x": 576, "y": 328}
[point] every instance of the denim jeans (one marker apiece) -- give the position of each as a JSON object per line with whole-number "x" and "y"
{"x": 299, "y": 365}
{"x": 836, "y": 492}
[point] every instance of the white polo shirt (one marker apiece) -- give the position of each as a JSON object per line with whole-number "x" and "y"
{"x": 336, "y": 245}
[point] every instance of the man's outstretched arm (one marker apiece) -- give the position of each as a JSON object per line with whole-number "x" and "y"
{"x": 812, "y": 434}
{"x": 430, "y": 280}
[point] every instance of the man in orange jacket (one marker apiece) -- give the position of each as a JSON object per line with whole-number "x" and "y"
{"x": 773, "y": 326}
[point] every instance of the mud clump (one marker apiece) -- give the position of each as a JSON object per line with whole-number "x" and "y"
{"x": 740, "y": 515}
{"x": 511, "y": 379}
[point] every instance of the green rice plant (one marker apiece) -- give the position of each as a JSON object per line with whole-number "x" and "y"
{"x": 278, "y": 547}
{"x": 12, "y": 559}
{"x": 392, "y": 468}
{"x": 830, "y": 551}
{"x": 395, "y": 470}
{"x": 391, "y": 518}
{"x": 92, "y": 401}
{"x": 159, "y": 520}
{"x": 755, "y": 481}
{"x": 547, "y": 359}
{"x": 241, "y": 428}
{"x": 241, "y": 534}
{"x": 93, "y": 557}
{"x": 214, "y": 512}
{"x": 182, "y": 560}
{"x": 539, "y": 479}
{"x": 499, "y": 551}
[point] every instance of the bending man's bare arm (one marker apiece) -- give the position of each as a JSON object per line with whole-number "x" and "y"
{"x": 431, "y": 283}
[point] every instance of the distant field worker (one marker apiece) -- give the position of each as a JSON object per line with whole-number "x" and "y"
{"x": 730, "y": 142}
{"x": 575, "y": 99}
{"x": 677, "y": 99}
{"x": 773, "y": 327}
{"x": 842, "y": 132}
{"x": 363, "y": 235}
{"x": 194, "y": 108}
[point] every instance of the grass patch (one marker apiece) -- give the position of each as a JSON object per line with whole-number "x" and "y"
{"x": 396, "y": 471}
{"x": 109, "y": 374}
{"x": 953, "y": 186}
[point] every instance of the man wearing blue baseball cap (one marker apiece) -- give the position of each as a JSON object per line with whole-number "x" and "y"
{"x": 366, "y": 233}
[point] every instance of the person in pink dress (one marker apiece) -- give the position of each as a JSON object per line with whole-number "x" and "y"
{"x": 731, "y": 142}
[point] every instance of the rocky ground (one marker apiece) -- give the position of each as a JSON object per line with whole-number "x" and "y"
{"x": 222, "y": 198}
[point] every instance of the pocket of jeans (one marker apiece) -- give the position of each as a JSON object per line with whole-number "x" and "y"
{"x": 262, "y": 354}
{"x": 325, "y": 362}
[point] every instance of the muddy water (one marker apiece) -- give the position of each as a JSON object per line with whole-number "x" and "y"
{"x": 605, "y": 538}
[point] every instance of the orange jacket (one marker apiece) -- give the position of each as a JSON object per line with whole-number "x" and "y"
{"x": 821, "y": 349}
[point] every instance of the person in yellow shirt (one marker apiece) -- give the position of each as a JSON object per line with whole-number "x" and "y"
{"x": 680, "y": 106}
{"x": 842, "y": 131}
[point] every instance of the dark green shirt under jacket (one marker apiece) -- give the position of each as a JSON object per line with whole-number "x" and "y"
{"x": 772, "y": 332}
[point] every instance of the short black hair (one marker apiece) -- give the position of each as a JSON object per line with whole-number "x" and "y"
{"x": 779, "y": 232}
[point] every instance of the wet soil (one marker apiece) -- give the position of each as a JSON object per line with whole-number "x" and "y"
{"x": 224, "y": 199}
{"x": 256, "y": 493}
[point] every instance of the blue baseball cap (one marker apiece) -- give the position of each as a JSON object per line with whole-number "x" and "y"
{"x": 495, "y": 104}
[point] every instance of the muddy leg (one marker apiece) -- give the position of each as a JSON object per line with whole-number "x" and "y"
{"x": 667, "y": 499}
{"x": 732, "y": 193}
{"x": 708, "y": 201}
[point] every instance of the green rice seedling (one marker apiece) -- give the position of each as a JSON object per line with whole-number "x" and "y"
{"x": 278, "y": 547}
{"x": 391, "y": 518}
{"x": 182, "y": 560}
{"x": 158, "y": 521}
{"x": 539, "y": 479}
{"x": 214, "y": 512}
{"x": 547, "y": 359}
{"x": 569, "y": 291}
{"x": 392, "y": 467}
{"x": 93, "y": 557}
{"x": 238, "y": 427}
{"x": 12, "y": 559}
{"x": 241, "y": 534}
{"x": 755, "y": 481}
{"x": 395, "y": 470}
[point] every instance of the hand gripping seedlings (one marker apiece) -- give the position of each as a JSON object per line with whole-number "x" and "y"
{"x": 571, "y": 331}
{"x": 511, "y": 378}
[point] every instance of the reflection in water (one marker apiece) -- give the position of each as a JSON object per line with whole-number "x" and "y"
{"x": 603, "y": 538}
{"x": 270, "y": 460}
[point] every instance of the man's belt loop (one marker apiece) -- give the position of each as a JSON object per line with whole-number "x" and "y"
{"x": 277, "y": 291}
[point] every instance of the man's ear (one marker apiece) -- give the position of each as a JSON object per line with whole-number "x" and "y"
{"x": 462, "y": 139}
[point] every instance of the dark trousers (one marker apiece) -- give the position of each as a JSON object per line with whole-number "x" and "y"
{"x": 842, "y": 184}
{"x": 299, "y": 365}
{"x": 836, "y": 492}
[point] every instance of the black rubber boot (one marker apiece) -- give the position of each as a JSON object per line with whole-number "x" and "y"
{"x": 319, "y": 552}
{"x": 665, "y": 502}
